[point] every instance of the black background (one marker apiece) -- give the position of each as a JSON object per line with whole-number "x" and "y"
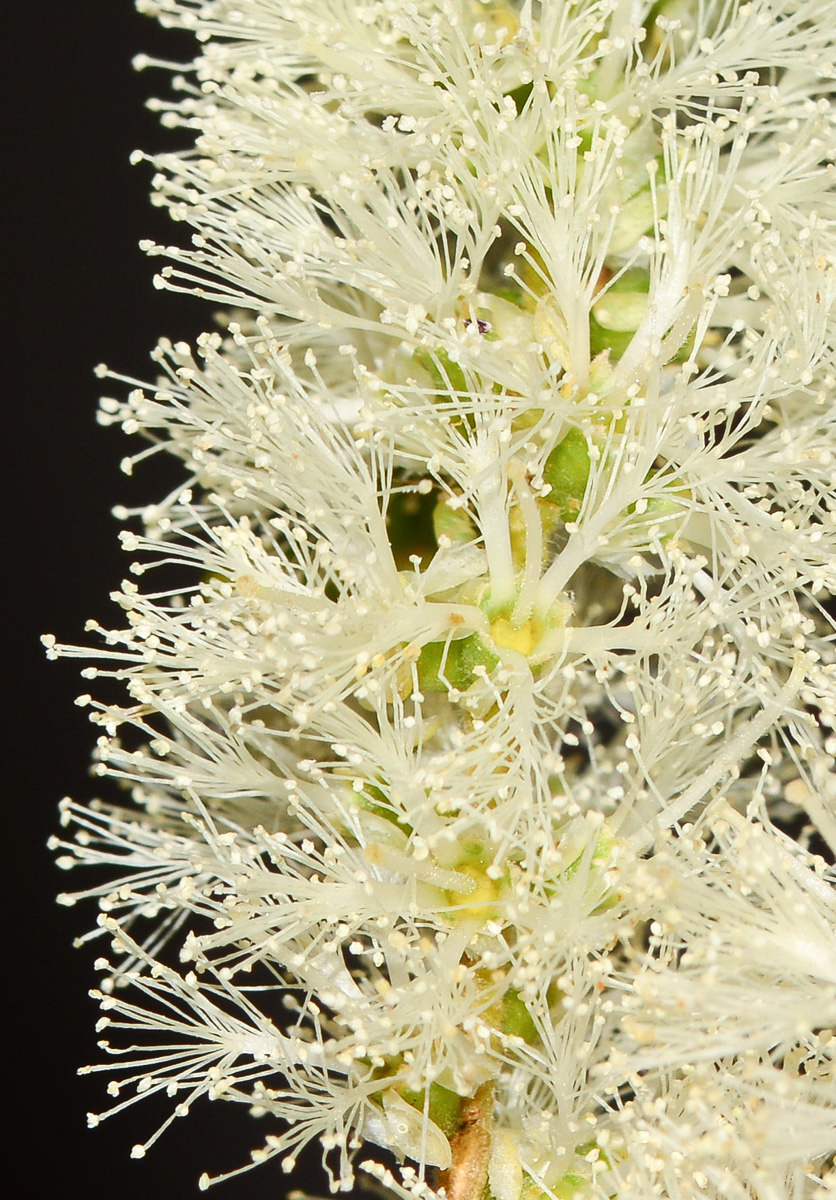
{"x": 80, "y": 292}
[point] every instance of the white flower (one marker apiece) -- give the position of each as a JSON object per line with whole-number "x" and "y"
{"x": 484, "y": 791}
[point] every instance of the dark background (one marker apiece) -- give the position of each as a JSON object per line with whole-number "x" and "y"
{"x": 80, "y": 293}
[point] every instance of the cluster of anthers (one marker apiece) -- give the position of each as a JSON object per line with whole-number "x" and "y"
{"x": 479, "y": 734}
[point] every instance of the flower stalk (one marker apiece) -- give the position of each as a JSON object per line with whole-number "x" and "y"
{"x": 478, "y": 741}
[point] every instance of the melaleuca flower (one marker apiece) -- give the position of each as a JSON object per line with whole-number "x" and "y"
{"x": 481, "y": 760}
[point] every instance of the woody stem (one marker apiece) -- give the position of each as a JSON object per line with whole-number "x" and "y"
{"x": 467, "y": 1176}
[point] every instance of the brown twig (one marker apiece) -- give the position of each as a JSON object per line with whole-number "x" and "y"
{"x": 467, "y": 1176}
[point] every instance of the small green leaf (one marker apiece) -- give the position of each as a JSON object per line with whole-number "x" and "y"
{"x": 373, "y": 800}
{"x": 601, "y": 339}
{"x": 472, "y": 653}
{"x": 458, "y": 671}
{"x": 516, "y": 1020}
{"x": 446, "y": 374}
{"x": 429, "y": 668}
{"x": 444, "y": 1106}
{"x": 567, "y": 472}
{"x": 452, "y": 523}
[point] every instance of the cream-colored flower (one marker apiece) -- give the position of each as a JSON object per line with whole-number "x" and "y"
{"x": 484, "y": 783}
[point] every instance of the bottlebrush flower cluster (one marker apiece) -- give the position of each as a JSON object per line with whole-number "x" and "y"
{"x": 479, "y": 735}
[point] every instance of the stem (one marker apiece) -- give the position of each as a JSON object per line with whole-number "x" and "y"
{"x": 467, "y": 1176}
